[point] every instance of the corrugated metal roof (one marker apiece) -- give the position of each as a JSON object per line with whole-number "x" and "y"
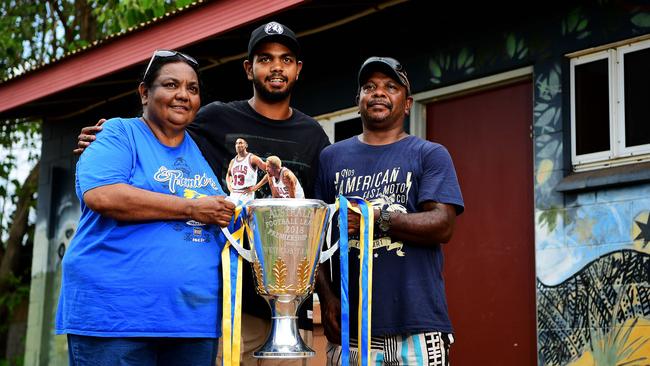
{"x": 110, "y": 37}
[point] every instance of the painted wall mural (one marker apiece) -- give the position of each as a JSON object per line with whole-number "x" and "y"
{"x": 592, "y": 247}
{"x": 593, "y": 288}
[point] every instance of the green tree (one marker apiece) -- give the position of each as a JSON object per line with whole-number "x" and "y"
{"x": 33, "y": 33}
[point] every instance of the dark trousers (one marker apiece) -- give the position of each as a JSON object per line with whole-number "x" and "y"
{"x": 145, "y": 351}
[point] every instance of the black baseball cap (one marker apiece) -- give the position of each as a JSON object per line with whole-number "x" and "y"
{"x": 273, "y": 32}
{"x": 386, "y": 65}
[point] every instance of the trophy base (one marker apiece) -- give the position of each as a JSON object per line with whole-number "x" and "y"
{"x": 284, "y": 355}
{"x": 284, "y": 341}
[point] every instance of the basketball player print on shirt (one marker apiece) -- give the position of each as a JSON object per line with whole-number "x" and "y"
{"x": 242, "y": 175}
{"x": 282, "y": 181}
{"x": 387, "y": 190}
{"x": 180, "y": 181}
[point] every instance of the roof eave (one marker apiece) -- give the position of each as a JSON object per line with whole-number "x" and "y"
{"x": 197, "y": 24}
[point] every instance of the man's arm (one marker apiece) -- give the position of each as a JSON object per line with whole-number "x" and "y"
{"x": 289, "y": 180}
{"x": 330, "y": 306}
{"x": 274, "y": 190}
{"x": 87, "y": 136}
{"x": 257, "y": 162}
{"x": 434, "y": 224}
{"x": 330, "y": 303}
{"x": 260, "y": 183}
{"x": 229, "y": 176}
{"x": 127, "y": 203}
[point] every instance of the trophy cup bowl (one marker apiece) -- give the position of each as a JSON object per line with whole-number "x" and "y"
{"x": 285, "y": 237}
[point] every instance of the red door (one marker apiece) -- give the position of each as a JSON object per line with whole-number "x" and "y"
{"x": 489, "y": 263}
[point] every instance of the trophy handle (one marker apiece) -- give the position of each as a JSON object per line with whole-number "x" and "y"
{"x": 327, "y": 254}
{"x": 245, "y": 253}
{"x": 324, "y": 256}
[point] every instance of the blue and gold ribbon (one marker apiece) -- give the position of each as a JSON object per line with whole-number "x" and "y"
{"x": 231, "y": 264}
{"x": 256, "y": 246}
{"x": 342, "y": 203}
{"x": 364, "y": 209}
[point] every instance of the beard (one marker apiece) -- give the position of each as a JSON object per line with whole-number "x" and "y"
{"x": 368, "y": 116}
{"x": 271, "y": 95}
{"x": 371, "y": 118}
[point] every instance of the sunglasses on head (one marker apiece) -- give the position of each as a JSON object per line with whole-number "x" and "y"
{"x": 168, "y": 53}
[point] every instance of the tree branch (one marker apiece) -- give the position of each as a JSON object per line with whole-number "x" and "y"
{"x": 41, "y": 57}
{"x": 68, "y": 33}
{"x": 86, "y": 20}
{"x": 18, "y": 227}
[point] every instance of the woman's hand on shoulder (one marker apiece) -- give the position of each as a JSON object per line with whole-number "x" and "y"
{"x": 212, "y": 210}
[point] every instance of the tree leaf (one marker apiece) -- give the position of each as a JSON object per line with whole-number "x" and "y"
{"x": 546, "y": 117}
{"x": 572, "y": 21}
{"x": 510, "y": 45}
{"x": 641, "y": 20}
{"x": 159, "y": 10}
{"x": 523, "y": 53}
{"x": 462, "y": 58}
{"x": 582, "y": 25}
{"x": 436, "y": 71}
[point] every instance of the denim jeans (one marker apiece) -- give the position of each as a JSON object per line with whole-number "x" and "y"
{"x": 145, "y": 351}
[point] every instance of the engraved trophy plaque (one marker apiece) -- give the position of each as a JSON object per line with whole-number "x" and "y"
{"x": 285, "y": 236}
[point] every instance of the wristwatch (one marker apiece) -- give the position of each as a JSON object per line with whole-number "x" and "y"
{"x": 384, "y": 221}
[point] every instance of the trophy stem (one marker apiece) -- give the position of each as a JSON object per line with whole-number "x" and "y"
{"x": 284, "y": 339}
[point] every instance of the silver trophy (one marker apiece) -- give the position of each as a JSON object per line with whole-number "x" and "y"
{"x": 285, "y": 236}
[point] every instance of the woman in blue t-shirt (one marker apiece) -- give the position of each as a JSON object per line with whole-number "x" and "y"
{"x": 141, "y": 277}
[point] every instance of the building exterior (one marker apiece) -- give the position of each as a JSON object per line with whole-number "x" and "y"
{"x": 544, "y": 113}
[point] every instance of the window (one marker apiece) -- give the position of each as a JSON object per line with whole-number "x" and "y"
{"x": 341, "y": 124}
{"x": 610, "y": 114}
{"x": 347, "y": 129}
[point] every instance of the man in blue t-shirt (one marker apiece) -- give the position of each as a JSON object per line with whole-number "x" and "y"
{"x": 414, "y": 191}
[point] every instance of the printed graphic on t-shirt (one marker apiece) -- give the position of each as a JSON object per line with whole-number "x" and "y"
{"x": 242, "y": 175}
{"x": 176, "y": 179}
{"x": 387, "y": 190}
{"x": 180, "y": 181}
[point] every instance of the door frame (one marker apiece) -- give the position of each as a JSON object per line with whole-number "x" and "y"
{"x": 418, "y": 125}
{"x": 329, "y": 120}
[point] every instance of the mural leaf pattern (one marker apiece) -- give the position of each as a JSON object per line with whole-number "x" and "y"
{"x": 607, "y": 292}
{"x": 641, "y": 20}
{"x": 576, "y": 24}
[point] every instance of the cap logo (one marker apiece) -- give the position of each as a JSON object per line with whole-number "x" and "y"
{"x": 274, "y": 28}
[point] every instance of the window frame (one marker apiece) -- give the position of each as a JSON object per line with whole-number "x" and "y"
{"x": 618, "y": 153}
{"x": 329, "y": 120}
{"x": 601, "y": 155}
{"x": 621, "y": 51}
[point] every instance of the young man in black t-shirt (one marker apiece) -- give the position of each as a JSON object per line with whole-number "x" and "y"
{"x": 271, "y": 127}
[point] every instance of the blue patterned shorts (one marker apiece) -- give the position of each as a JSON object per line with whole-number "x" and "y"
{"x": 422, "y": 349}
